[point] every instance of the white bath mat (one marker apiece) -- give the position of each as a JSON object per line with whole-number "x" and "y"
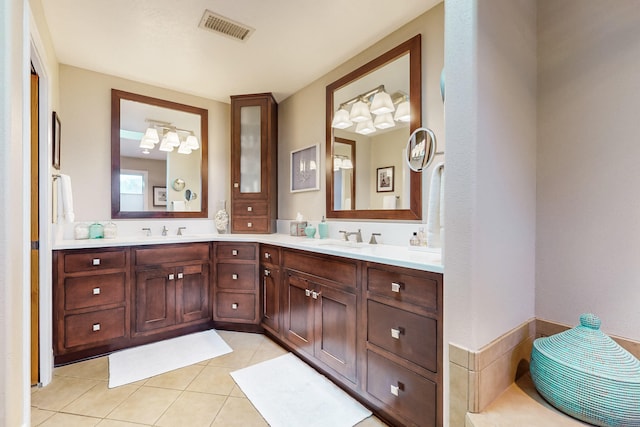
{"x": 287, "y": 392}
{"x": 142, "y": 362}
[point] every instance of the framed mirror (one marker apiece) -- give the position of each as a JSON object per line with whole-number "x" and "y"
{"x": 370, "y": 114}
{"x": 158, "y": 158}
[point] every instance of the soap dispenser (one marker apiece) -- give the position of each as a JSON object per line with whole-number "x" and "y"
{"x": 323, "y": 229}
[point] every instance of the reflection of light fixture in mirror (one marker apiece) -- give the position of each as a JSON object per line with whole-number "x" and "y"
{"x": 384, "y": 121}
{"x": 341, "y": 162}
{"x": 192, "y": 142}
{"x": 382, "y": 103}
{"x": 337, "y": 163}
{"x": 403, "y": 113}
{"x": 184, "y": 148}
{"x": 365, "y": 128}
{"x": 347, "y": 164}
{"x": 360, "y": 112}
{"x": 173, "y": 139}
{"x": 341, "y": 119}
{"x": 165, "y": 146}
{"x": 146, "y": 151}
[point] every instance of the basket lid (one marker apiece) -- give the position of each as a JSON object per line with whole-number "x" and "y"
{"x": 588, "y": 349}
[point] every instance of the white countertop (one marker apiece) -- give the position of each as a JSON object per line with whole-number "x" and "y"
{"x": 402, "y": 256}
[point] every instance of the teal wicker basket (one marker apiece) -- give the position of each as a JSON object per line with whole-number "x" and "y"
{"x": 587, "y": 375}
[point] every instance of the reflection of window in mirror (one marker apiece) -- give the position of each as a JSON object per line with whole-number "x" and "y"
{"x": 133, "y": 190}
{"x": 344, "y": 174}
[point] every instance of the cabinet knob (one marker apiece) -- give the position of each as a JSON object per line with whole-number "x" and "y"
{"x": 96, "y": 291}
{"x": 234, "y": 276}
{"x": 95, "y": 261}
{"x": 307, "y": 292}
{"x": 249, "y": 224}
{"x": 267, "y": 255}
{"x": 171, "y": 277}
{"x": 396, "y": 286}
{"x": 267, "y": 272}
{"x": 315, "y": 295}
{"x": 396, "y": 332}
{"x": 180, "y": 275}
{"x": 249, "y": 209}
{"x": 234, "y": 306}
{"x": 236, "y": 185}
{"x": 234, "y": 252}
{"x": 96, "y": 327}
{"x": 396, "y": 389}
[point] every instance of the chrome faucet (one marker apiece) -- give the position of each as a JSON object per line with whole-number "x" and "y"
{"x": 147, "y": 231}
{"x": 164, "y": 230}
{"x": 373, "y": 240}
{"x": 180, "y": 230}
{"x": 358, "y": 235}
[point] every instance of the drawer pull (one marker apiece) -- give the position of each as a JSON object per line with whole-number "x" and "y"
{"x": 396, "y": 332}
{"x": 234, "y": 252}
{"x": 395, "y": 287}
{"x": 249, "y": 209}
{"x": 171, "y": 277}
{"x": 180, "y": 275}
{"x": 267, "y": 272}
{"x": 249, "y": 225}
{"x": 95, "y": 261}
{"x": 396, "y": 389}
{"x": 236, "y": 185}
{"x": 234, "y": 276}
{"x": 307, "y": 292}
{"x": 234, "y": 306}
{"x": 315, "y": 295}
{"x": 267, "y": 255}
{"x": 96, "y": 327}
{"x": 96, "y": 291}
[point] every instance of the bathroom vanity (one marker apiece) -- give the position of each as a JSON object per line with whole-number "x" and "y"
{"x": 370, "y": 318}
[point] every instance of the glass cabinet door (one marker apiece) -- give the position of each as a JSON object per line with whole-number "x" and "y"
{"x": 250, "y": 149}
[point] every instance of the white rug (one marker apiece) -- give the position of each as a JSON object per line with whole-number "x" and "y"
{"x": 142, "y": 362}
{"x": 289, "y": 393}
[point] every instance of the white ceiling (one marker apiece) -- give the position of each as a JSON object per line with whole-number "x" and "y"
{"x": 158, "y": 42}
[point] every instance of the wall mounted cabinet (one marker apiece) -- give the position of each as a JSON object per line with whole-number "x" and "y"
{"x": 254, "y": 161}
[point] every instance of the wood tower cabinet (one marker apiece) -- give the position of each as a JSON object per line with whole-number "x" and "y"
{"x": 254, "y": 159}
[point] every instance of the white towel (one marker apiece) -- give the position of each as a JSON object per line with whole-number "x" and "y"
{"x": 389, "y": 202}
{"x": 435, "y": 218}
{"x": 179, "y": 205}
{"x": 65, "y": 200}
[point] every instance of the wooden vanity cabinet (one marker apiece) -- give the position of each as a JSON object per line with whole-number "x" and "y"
{"x": 236, "y": 294}
{"x": 254, "y": 161}
{"x": 403, "y": 369}
{"x": 90, "y": 302}
{"x": 171, "y": 287}
{"x": 320, "y": 311}
{"x": 270, "y": 284}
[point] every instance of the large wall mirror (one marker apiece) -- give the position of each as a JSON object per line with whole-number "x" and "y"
{"x": 370, "y": 114}
{"x": 158, "y": 158}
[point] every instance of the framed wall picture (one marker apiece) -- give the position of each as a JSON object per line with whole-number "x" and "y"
{"x": 56, "y": 141}
{"x": 385, "y": 178}
{"x": 159, "y": 196}
{"x": 305, "y": 169}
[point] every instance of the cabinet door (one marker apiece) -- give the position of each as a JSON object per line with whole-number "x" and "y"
{"x": 298, "y": 313}
{"x": 335, "y": 329}
{"x": 155, "y": 294}
{"x": 192, "y": 289}
{"x": 270, "y": 289}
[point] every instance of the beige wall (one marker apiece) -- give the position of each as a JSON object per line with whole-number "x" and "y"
{"x": 85, "y": 111}
{"x": 588, "y": 211}
{"x": 302, "y": 115}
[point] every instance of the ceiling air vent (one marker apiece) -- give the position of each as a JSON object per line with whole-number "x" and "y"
{"x": 225, "y": 26}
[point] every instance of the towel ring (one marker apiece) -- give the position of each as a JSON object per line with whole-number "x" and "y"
{"x": 421, "y": 149}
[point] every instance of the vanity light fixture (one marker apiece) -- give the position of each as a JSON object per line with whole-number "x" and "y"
{"x": 381, "y": 103}
{"x": 341, "y": 118}
{"x": 171, "y": 138}
{"x": 360, "y": 112}
{"x": 365, "y": 128}
{"x": 403, "y": 113}
{"x": 377, "y": 102}
{"x": 341, "y": 162}
{"x": 384, "y": 121}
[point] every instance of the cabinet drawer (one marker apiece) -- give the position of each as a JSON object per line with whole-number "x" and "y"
{"x": 245, "y": 251}
{"x": 94, "y": 327}
{"x": 236, "y": 306}
{"x": 269, "y": 255}
{"x": 422, "y": 291}
{"x": 409, "y": 335}
{"x": 331, "y": 268}
{"x": 171, "y": 254}
{"x": 91, "y": 291}
{"x": 249, "y": 208}
{"x": 251, "y": 224}
{"x": 405, "y": 392}
{"x": 92, "y": 261}
{"x": 236, "y": 276}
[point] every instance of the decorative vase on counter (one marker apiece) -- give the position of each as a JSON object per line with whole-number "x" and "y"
{"x": 222, "y": 217}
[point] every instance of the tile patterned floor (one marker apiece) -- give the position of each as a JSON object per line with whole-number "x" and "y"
{"x": 198, "y": 395}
